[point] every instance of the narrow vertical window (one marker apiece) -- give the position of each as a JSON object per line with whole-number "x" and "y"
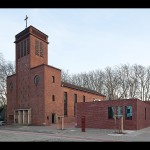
{"x": 36, "y": 47}
{"x": 110, "y": 112}
{"x": 128, "y": 112}
{"x": 75, "y": 101}
{"x": 53, "y": 79}
{"x": 41, "y": 49}
{"x": 21, "y": 49}
{"x": 145, "y": 113}
{"x": 24, "y": 47}
{"x": 53, "y": 97}
{"x": 83, "y": 98}
{"x": 65, "y": 104}
{"x": 28, "y": 47}
{"x": 18, "y": 50}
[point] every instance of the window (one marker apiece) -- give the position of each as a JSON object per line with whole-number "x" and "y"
{"x": 28, "y": 48}
{"x": 21, "y": 49}
{"x": 75, "y": 101}
{"x": 110, "y": 112}
{"x": 65, "y": 104}
{"x": 36, "y": 47}
{"x": 18, "y": 50}
{"x": 53, "y": 79}
{"x": 128, "y": 112}
{"x": 145, "y": 113}
{"x": 36, "y": 80}
{"x": 41, "y": 49}
{"x": 53, "y": 97}
{"x": 83, "y": 98}
{"x": 24, "y": 47}
{"x": 119, "y": 111}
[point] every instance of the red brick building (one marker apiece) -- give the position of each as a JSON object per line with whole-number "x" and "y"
{"x": 101, "y": 114}
{"x": 36, "y": 94}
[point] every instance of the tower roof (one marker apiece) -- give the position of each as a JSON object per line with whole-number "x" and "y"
{"x": 33, "y": 31}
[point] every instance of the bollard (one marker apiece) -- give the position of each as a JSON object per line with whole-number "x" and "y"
{"x": 83, "y": 124}
{"x": 121, "y": 124}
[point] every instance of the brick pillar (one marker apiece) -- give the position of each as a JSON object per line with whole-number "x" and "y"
{"x": 62, "y": 126}
{"x": 57, "y": 123}
{"x": 19, "y": 117}
{"x": 23, "y": 117}
{"x": 14, "y": 116}
{"x": 83, "y": 123}
{"x": 29, "y": 116}
{"x": 121, "y": 124}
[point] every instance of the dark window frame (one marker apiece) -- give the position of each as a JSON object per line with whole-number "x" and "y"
{"x": 36, "y": 79}
{"x": 19, "y": 52}
{"x": 53, "y": 98}
{"x": 111, "y": 112}
{"x": 83, "y": 98}
{"x": 75, "y": 102}
{"x": 36, "y": 47}
{"x": 21, "y": 48}
{"x": 65, "y": 103}
{"x": 145, "y": 113}
{"x": 28, "y": 46}
{"x": 41, "y": 49}
{"x": 53, "y": 79}
{"x": 128, "y": 115}
{"x": 24, "y": 47}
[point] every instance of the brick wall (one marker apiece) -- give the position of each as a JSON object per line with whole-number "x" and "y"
{"x": 52, "y": 88}
{"x": 22, "y": 82}
{"x": 36, "y": 102}
{"x": 143, "y": 111}
{"x": 70, "y": 92}
{"x": 96, "y": 114}
{"x": 11, "y": 98}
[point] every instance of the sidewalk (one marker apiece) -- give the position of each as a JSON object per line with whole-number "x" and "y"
{"x": 89, "y": 134}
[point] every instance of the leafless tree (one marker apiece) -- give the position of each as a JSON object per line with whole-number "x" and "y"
{"x": 65, "y": 76}
{"x": 111, "y": 83}
{"x": 147, "y": 86}
{"x": 6, "y": 69}
{"x": 120, "y": 82}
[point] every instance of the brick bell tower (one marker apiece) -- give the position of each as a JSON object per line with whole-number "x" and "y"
{"x": 31, "y": 51}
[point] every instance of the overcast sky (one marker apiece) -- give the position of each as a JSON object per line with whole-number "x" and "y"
{"x": 81, "y": 40}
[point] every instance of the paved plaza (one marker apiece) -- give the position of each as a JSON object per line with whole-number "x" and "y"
{"x": 16, "y": 133}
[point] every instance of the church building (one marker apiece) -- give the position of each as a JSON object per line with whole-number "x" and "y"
{"x": 36, "y": 93}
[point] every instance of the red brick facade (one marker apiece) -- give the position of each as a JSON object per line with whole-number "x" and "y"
{"x": 96, "y": 114}
{"x": 35, "y": 94}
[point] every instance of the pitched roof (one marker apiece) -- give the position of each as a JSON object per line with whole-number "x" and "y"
{"x": 72, "y": 86}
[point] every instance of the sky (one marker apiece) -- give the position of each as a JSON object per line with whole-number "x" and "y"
{"x": 82, "y": 40}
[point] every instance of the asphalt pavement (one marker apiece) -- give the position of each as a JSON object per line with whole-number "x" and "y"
{"x": 18, "y": 133}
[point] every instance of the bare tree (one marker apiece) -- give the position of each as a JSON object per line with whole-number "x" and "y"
{"x": 65, "y": 76}
{"x": 6, "y": 69}
{"x": 147, "y": 85}
{"x": 121, "y": 82}
{"x": 122, "y": 77}
{"x": 111, "y": 83}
